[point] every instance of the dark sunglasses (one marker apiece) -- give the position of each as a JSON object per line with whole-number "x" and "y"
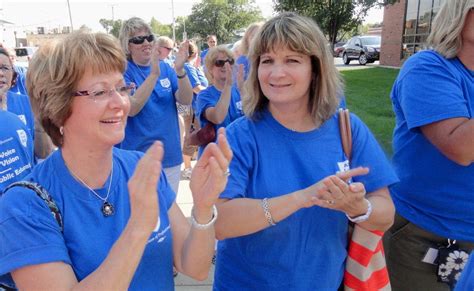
{"x": 221, "y": 63}
{"x": 141, "y": 39}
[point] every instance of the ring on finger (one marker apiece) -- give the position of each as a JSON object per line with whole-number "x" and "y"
{"x": 227, "y": 173}
{"x": 330, "y": 202}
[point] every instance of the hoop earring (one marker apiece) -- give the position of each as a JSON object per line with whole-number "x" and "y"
{"x": 61, "y": 130}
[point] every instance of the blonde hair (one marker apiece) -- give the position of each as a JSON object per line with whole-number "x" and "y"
{"x": 57, "y": 68}
{"x": 445, "y": 36}
{"x": 299, "y": 34}
{"x": 165, "y": 41}
{"x": 248, "y": 36}
{"x": 129, "y": 27}
{"x": 211, "y": 57}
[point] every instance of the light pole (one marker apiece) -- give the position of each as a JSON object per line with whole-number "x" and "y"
{"x": 113, "y": 14}
{"x": 185, "y": 35}
{"x": 172, "y": 15}
{"x": 70, "y": 15}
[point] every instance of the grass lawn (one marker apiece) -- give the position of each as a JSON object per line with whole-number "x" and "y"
{"x": 368, "y": 95}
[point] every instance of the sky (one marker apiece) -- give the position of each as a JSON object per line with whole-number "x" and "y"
{"x": 27, "y": 15}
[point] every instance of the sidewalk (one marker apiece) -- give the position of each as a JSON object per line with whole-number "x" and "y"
{"x": 182, "y": 282}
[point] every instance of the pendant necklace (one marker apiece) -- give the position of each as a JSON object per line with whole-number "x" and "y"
{"x": 107, "y": 207}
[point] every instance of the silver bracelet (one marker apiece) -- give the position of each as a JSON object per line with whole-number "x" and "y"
{"x": 197, "y": 225}
{"x": 268, "y": 215}
{"x": 363, "y": 217}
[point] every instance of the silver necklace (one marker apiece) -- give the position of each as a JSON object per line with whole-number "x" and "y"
{"x": 107, "y": 207}
{"x": 140, "y": 71}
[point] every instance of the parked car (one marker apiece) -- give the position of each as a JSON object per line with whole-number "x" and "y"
{"x": 338, "y": 49}
{"x": 24, "y": 54}
{"x": 366, "y": 49}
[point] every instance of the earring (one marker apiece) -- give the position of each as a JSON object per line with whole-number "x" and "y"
{"x": 61, "y": 130}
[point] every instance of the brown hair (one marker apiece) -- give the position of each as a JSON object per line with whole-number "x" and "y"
{"x": 302, "y": 35}
{"x": 248, "y": 36}
{"x": 57, "y": 68}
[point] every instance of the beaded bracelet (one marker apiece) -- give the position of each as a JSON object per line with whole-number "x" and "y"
{"x": 197, "y": 225}
{"x": 268, "y": 215}
{"x": 363, "y": 217}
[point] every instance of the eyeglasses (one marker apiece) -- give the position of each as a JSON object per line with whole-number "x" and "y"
{"x": 100, "y": 95}
{"x": 141, "y": 39}
{"x": 221, "y": 63}
{"x": 168, "y": 48}
{"x": 5, "y": 68}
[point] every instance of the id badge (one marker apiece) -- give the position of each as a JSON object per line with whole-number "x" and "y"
{"x": 451, "y": 262}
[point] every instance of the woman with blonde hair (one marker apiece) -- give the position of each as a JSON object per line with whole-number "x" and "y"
{"x": 433, "y": 145}
{"x": 288, "y": 201}
{"x": 245, "y": 46}
{"x": 220, "y": 102}
{"x": 153, "y": 113}
{"x": 120, "y": 226}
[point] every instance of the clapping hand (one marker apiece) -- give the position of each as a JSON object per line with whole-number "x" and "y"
{"x": 240, "y": 77}
{"x": 210, "y": 174}
{"x": 142, "y": 187}
{"x": 181, "y": 56}
{"x": 155, "y": 60}
{"x": 228, "y": 75}
{"x": 334, "y": 192}
{"x": 337, "y": 194}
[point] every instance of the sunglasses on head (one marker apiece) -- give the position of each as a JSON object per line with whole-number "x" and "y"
{"x": 221, "y": 63}
{"x": 141, "y": 39}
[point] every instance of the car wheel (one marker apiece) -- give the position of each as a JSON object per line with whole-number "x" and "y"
{"x": 363, "y": 59}
{"x": 345, "y": 59}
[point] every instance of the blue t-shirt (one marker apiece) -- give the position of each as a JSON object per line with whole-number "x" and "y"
{"x": 466, "y": 282}
{"x": 307, "y": 250}
{"x": 158, "y": 119}
{"x": 196, "y": 77}
{"x": 20, "y": 105}
{"x": 203, "y": 55}
{"x": 434, "y": 192}
{"x": 244, "y": 61}
{"x": 30, "y": 235}
{"x": 209, "y": 98}
{"x": 20, "y": 86}
{"x": 16, "y": 149}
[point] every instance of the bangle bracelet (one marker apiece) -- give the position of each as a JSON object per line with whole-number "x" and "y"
{"x": 197, "y": 225}
{"x": 363, "y": 217}
{"x": 181, "y": 76}
{"x": 268, "y": 215}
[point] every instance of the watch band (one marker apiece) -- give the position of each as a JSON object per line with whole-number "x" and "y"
{"x": 182, "y": 76}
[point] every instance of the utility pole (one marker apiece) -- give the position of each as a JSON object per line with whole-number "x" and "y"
{"x": 70, "y": 15}
{"x": 172, "y": 15}
{"x": 113, "y": 14}
{"x": 185, "y": 35}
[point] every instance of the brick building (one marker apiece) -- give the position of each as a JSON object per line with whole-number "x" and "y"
{"x": 406, "y": 25}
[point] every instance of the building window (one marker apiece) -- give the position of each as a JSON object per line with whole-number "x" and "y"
{"x": 418, "y": 18}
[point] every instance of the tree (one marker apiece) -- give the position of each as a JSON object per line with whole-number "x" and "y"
{"x": 222, "y": 18}
{"x": 335, "y": 17}
{"x": 111, "y": 26}
{"x": 160, "y": 29}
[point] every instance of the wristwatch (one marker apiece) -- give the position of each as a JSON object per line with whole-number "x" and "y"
{"x": 363, "y": 217}
{"x": 182, "y": 76}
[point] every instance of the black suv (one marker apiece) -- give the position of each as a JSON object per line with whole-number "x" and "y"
{"x": 366, "y": 49}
